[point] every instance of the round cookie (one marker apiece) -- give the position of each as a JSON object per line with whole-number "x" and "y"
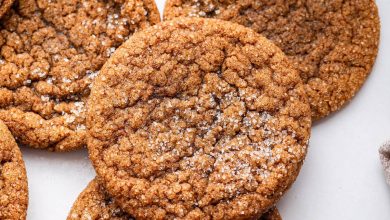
{"x": 95, "y": 204}
{"x": 5, "y": 5}
{"x": 50, "y": 52}
{"x": 334, "y": 43}
{"x": 197, "y": 119}
{"x": 13, "y": 178}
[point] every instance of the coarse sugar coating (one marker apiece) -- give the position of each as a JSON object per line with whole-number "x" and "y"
{"x": 5, "y": 5}
{"x": 13, "y": 178}
{"x": 197, "y": 119}
{"x": 95, "y": 204}
{"x": 333, "y": 43}
{"x": 50, "y": 52}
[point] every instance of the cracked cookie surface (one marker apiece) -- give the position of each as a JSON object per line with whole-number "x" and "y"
{"x": 5, "y": 5}
{"x": 334, "y": 43}
{"x": 13, "y": 178}
{"x": 197, "y": 119}
{"x": 95, "y": 204}
{"x": 50, "y": 52}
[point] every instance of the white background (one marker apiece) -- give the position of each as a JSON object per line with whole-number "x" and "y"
{"x": 341, "y": 178}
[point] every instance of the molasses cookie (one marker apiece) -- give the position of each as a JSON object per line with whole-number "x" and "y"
{"x": 50, "y": 52}
{"x": 13, "y": 178}
{"x": 333, "y": 43}
{"x": 95, "y": 204}
{"x": 5, "y": 5}
{"x": 198, "y": 119}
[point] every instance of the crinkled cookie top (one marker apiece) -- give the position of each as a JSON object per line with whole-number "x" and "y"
{"x": 50, "y": 52}
{"x": 95, "y": 204}
{"x": 196, "y": 119}
{"x": 13, "y": 178}
{"x": 5, "y": 5}
{"x": 333, "y": 43}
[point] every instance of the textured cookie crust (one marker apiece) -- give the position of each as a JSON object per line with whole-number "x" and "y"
{"x": 198, "y": 119}
{"x": 334, "y": 43}
{"x": 95, "y": 204}
{"x": 5, "y": 5}
{"x": 50, "y": 52}
{"x": 13, "y": 178}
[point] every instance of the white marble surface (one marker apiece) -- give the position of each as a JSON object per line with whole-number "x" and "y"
{"x": 341, "y": 178}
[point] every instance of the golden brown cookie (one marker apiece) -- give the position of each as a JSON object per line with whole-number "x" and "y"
{"x": 95, "y": 204}
{"x": 5, "y": 5}
{"x": 51, "y": 50}
{"x": 13, "y": 178}
{"x": 334, "y": 43}
{"x": 197, "y": 119}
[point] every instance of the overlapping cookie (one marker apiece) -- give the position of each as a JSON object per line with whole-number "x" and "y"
{"x": 50, "y": 52}
{"x": 333, "y": 43}
{"x": 94, "y": 203}
{"x": 198, "y": 119}
{"x": 13, "y": 178}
